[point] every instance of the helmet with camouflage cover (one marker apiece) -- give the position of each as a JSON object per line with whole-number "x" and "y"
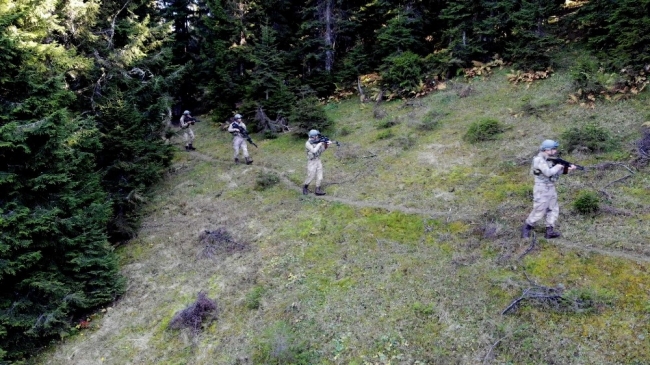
{"x": 313, "y": 133}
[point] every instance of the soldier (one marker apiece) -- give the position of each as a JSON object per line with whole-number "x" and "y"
{"x": 314, "y": 147}
{"x": 544, "y": 193}
{"x": 239, "y": 140}
{"x": 186, "y": 121}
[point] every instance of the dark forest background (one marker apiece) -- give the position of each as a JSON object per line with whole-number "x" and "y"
{"x": 87, "y": 90}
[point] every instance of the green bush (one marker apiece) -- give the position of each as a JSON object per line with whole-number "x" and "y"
{"x": 591, "y": 137}
{"x": 385, "y": 134}
{"x": 430, "y": 121}
{"x": 486, "y": 129}
{"x": 308, "y": 114}
{"x": 587, "y": 203}
{"x": 279, "y": 345}
{"x": 402, "y": 72}
{"x": 266, "y": 180}
{"x": 388, "y": 123}
{"x": 403, "y": 142}
{"x": 254, "y": 297}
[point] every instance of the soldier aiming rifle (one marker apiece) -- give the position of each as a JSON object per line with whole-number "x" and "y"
{"x": 186, "y": 121}
{"x": 240, "y": 136}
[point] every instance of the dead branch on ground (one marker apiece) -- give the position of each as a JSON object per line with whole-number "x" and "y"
{"x": 280, "y": 124}
{"x": 219, "y": 241}
{"x": 533, "y": 245}
{"x": 549, "y": 297}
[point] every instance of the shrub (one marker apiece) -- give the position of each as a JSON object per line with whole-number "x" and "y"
{"x": 345, "y": 131}
{"x": 402, "y": 72}
{"x": 308, "y": 114}
{"x": 254, "y": 297}
{"x": 388, "y": 123}
{"x": 385, "y": 134}
{"x": 270, "y": 135}
{"x": 193, "y": 316}
{"x": 586, "y": 203}
{"x": 280, "y": 345}
{"x": 403, "y": 142}
{"x": 266, "y": 180}
{"x": 430, "y": 121}
{"x": 590, "y": 137}
{"x": 485, "y": 129}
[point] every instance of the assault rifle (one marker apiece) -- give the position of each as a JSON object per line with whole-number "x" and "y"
{"x": 565, "y": 163}
{"x": 323, "y": 139}
{"x": 244, "y": 133}
{"x": 190, "y": 120}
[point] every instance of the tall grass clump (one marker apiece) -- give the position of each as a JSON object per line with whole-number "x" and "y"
{"x": 430, "y": 121}
{"x": 279, "y": 345}
{"x": 486, "y": 129}
{"x": 587, "y": 202}
{"x": 266, "y": 180}
{"x": 254, "y": 298}
{"x": 590, "y": 137}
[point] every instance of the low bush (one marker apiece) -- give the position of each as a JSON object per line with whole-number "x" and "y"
{"x": 388, "y": 123}
{"x": 430, "y": 121}
{"x": 280, "y": 345}
{"x": 590, "y": 137}
{"x": 486, "y": 129}
{"x": 254, "y": 297}
{"x": 266, "y": 180}
{"x": 587, "y": 202}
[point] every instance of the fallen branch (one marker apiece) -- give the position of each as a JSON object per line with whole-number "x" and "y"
{"x": 617, "y": 180}
{"x": 533, "y": 244}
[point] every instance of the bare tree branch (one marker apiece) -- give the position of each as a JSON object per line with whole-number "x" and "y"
{"x": 110, "y": 39}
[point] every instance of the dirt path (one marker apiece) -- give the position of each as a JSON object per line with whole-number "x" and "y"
{"x": 429, "y": 213}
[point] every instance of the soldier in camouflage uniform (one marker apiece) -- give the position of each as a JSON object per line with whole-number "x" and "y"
{"x": 239, "y": 142}
{"x": 186, "y": 121}
{"x": 314, "y": 166}
{"x": 544, "y": 193}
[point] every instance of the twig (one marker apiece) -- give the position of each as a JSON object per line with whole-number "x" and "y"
{"x": 110, "y": 40}
{"x": 617, "y": 180}
{"x": 530, "y": 248}
{"x": 489, "y": 353}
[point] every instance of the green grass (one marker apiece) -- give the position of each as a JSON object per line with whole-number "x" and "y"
{"x": 410, "y": 258}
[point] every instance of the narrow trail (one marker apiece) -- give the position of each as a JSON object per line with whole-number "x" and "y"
{"x": 429, "y": 213}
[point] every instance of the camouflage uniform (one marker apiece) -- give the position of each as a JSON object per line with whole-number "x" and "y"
{"x": 544, "y": 193}
{"x": 188, "y": 135}
{"x": 314, "y": 166}
{"x": 239, "y": 142}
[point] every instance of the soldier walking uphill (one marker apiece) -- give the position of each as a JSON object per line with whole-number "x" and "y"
{"x": 186, "y": 121}
{"x": 315, "y": 146}
{"x": 544, "y": 194}
{"x": 238, "y": 129}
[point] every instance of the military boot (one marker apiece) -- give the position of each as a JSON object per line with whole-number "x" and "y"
{"x": 191, "y": 148}
{"x": 525, "y": 230}
{"x": 187, "y": 148}
{"x": 236, "y": 160}
{"x": 319, "y": 191}
{"x": 249, "y": 160}
{"x": 305, "y": 189}
{"x": 550, "y": 233}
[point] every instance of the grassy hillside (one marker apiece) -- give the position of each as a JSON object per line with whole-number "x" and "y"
{"x": 412, "y": 256}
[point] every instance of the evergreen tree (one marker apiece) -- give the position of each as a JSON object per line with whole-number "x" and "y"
{"x": 55, "y": 260}
{"x": 616, "y": 32}
{"x": 529, "y": 39}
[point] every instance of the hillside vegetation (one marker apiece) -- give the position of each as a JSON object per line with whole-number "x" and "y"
{"x": 412, "y": 256}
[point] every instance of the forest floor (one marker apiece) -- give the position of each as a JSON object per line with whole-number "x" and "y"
{"x": 412, "y": 257}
